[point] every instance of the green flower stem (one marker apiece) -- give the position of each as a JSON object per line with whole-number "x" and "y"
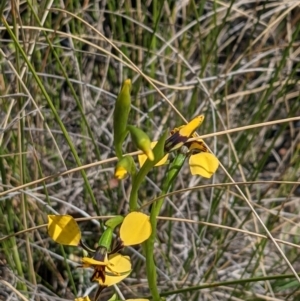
{"x": 156, "y": 207}
{"x": 137, "y": 180}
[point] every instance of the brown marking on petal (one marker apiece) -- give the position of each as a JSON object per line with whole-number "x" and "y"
{"x": 174, "y": 142}
{"x": 197, "y": 147}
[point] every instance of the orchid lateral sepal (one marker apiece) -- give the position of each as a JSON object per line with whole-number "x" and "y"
{"x": 64, "y": 230}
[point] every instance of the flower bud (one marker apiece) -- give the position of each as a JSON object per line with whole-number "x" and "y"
{"x": 141, "y": 141}
{"x": 124, "y": 167}
{"x": 121, "y": 113}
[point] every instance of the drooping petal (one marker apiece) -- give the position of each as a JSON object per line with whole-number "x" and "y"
{"x": 135, "y": 229}
{"x": 203, "y": 164}
{"x": 142, "y": 158}
{"x": 88, "y": 262}
{"x": 119, "y": 264}
{"x": 111, "y": 280}
{"x": 64, "y": 230}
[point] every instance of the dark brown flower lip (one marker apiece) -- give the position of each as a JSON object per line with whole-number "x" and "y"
{"x": 99, "y": 272}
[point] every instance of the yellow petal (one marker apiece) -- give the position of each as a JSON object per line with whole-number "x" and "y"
{"x": 203, "y": 164}
{"x": 135, "y": 229}
{"x": 111, "y": 280}
{"x": 149, "y": 153}
{"x": 119, "y": 264}
{"x": 119, "y": 268}
{"x": 64, "y": 230}
{"x": 90, "y": 262}
{"x": 188, "y": 129}
{"x": 120, "y": 173}
{"x": 86, "y": 298}
{"x": 142, "y": 158}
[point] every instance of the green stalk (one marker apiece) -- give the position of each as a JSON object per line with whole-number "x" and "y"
{"x": 158, "y": 152}
{"x": 156, "y": 207}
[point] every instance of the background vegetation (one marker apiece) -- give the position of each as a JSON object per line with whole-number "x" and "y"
{"x": 236, "y": 62}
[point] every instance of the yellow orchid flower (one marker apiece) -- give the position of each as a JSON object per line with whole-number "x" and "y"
{"x": 201, "y": 162}
{"x": 179, "y": 136}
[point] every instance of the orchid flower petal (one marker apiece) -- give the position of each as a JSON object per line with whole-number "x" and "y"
{"x": 135, "y": 229}
{"x": 64, "y": 230}
{"x": 203, "y": 164}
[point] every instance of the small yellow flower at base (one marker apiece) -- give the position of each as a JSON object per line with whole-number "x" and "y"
{"x": 142, "y": 158}
{"x": 64, "y": 230}
{"x": 86, "y": 298}
{"x": 120, "y": 173}
{"x": 203, "y": 164}
{"x": 135, "y": 229}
